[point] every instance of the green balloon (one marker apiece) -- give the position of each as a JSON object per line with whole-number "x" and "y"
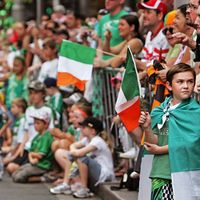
{"x": 49, "y": 10}
{"x": 3, "y": 13}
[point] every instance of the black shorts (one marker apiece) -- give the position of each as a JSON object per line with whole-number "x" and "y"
{"x": 21, "y": 160}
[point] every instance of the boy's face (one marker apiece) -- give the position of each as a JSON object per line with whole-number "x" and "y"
{"x": 49, "y": 91}
{"x": 15, "y": 109}
{"x": 36, "y": 97}
{"x": 86, "y": 131}
{"x": 17, "y": 67}
{"x": 182, "y": 86}
{"x": 40, "y": 125}
{"x": 77, "y": 118}
{"x": 48, "y": 52}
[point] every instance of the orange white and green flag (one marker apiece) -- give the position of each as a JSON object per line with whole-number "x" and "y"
{"x": 128, "y": 101}
{"x": 75, "y": 64}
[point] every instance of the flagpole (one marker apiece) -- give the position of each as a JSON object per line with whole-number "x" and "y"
{"x": 107, "y": 53}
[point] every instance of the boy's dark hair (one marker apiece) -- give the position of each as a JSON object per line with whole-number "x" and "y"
{"x": 62, "y": 31}
{"x": 50, "y": 82}
{"x": 21, "y": 59}
{"x": 48, "y": 42}
{"x": 178, "y": 68}
{"x": 20, "y": 102}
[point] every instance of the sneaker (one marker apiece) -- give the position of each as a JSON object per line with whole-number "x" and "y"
{"x": 83, "y": 193}
{"x": 62, "y": 188}
{"x": 75, "y": 187}
{"x": 130, "y": 154}
{"x": 134, "y": 175}
{"x": 48, "y": 178}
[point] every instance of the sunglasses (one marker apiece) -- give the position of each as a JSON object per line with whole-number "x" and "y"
{"x": 171, "y": 30}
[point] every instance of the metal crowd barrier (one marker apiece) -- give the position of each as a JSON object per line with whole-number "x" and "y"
{"x": 106, "y": 96}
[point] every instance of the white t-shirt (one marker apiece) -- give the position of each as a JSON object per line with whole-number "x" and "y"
{"x": 48, "y": 69}
{"x": 19, "y": 130}
{"x": 29, "y": 122}
{"x": 103, "y": 156}
{"x": 154, "y": 48}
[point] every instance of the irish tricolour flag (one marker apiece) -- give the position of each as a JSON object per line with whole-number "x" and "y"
{"x": 128, "y": 101}
{"x": 75, "y": 64}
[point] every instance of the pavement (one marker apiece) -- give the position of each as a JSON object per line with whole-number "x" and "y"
{"x": 105, "y": 193}
{"x": 40, "y": 191}
{"x": 37, "y": 191}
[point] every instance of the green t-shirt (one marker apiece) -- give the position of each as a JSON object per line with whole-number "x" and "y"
{"x": 110, "y": 23}
{"x": 71, "y": 130}
{"x": 16, "y": 125}
{"x": 56, "y": 102}
{"x": 42, "y": 144}
{"x": 76, "y": 132}
{"x": 16, "y": 88}
{"x": 160, "y": 165}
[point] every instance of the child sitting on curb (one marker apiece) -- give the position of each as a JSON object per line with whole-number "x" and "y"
{"x": 18, "y": 109}
{"x": 40, "y": 154}
{"x": 93, "y": 157}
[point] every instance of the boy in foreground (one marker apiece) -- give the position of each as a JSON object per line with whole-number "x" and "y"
{"x": 172, "y": 134}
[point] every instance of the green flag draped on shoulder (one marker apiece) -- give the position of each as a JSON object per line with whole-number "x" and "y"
{"x": 128, "y": 101}
{"x": 184, "y": 147}
{"x": 75, "y": 64}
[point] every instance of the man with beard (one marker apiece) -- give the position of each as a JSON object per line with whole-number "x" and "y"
{"x": 191, "y": 12}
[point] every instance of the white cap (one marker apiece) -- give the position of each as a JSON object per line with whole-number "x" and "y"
{"x": 73, "y": 98}
{"x": 42, "y": 114}
{"x": 59, "y": 8}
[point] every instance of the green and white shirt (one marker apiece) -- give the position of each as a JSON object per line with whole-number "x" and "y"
{"x": 42, "y": 144}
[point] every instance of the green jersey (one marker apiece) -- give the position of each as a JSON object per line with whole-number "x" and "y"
{"x": 56, "y": 102}
{"x": 110, "y": 23}
{"x": 160, "y": 165}
{"x": 71, "y": 130}
{"x": 42, "y": 144}
{"x": 16, "y": 88}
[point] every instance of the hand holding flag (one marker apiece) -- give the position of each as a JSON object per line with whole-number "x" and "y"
{"x": 128, "y": 101}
